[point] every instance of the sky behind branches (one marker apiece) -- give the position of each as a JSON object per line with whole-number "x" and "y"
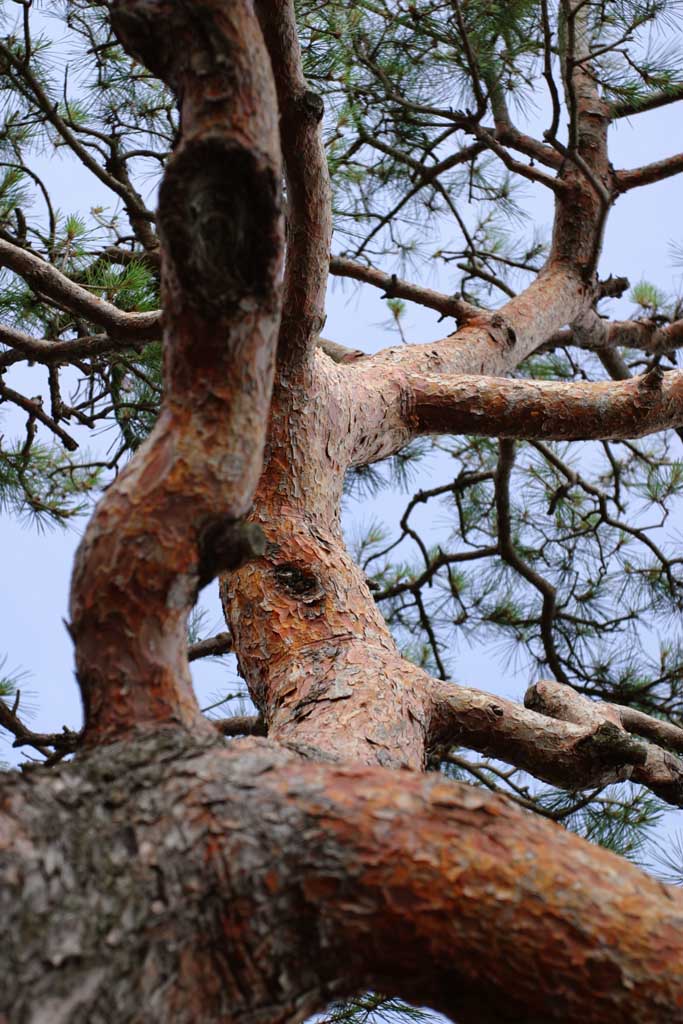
{"x": 36, "y": 566}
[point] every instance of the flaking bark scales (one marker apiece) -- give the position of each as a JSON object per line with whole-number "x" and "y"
{"x": 430, "y": 888}
{"x": 202, "y": 895}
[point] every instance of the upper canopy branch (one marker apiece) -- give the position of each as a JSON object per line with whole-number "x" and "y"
{"x": 47, "y": 281}
{"x": 547, "y": 409}
{"x": 395, "y": 287}
{"x": 309, "y": 212}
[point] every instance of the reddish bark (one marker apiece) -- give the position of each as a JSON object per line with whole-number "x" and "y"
{"x": 167, "y": 524}
{"x": 244, "y": 884}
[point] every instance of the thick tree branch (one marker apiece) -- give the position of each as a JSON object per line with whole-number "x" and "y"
{"x": 560, "y": 737}
{"x": 309, "y": 212}
{"x": 574, "y": 743}
{"x": 547, "y": 409}
{"x": 171, "y": 520}
{"x": 381, "y": 384}
{"x": 332, "y": 879}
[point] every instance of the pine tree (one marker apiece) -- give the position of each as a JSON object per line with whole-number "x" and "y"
{"x": 171, "y": 875}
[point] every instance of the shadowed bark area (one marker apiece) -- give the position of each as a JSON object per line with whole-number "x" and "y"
{"x": 244, "y": 885}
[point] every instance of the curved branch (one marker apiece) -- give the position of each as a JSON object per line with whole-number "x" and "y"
{"x": 338, "y": 879}
{"x": 381, "y": 385}
{"x": 400, "y": 863}
{"x": 171, "y": 519}
{"x": 309, "y": 211}
{"x": 50, "y": 282}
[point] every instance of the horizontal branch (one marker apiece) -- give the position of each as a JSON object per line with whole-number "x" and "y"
{"x": 213, "y": 646}
{"x": 395, "y": 288}
{"x": 597, "y": 334}
{"x": 240, "y": 725}
{"x": 649, "y": 173}
{"x": 49, "y": 282}
{"x": 495, "y": 407}
{"x": 627, "y": 108}
{"x": 383, "y": 385}
{"x": 559, "y": 737}
{"x": 41, "y": 350}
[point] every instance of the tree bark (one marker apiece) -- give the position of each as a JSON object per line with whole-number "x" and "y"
{"x": 163, "y": 878}
{"x": 168, "y": 876}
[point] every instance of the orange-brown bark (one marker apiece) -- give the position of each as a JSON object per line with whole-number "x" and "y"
{"x": 265, "y": 880}
{"x": 481, "y": 910}
{"x": 545, "y": 409}
{"x": 165, "y": 526}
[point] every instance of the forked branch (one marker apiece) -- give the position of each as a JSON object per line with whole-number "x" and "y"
{"x": 562, "y": 737}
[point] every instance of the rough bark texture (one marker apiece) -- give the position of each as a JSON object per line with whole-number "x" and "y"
{"x": 165, "y": 876}
{"x": 168, "y": 523}
{"x": 242, "y": 884}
